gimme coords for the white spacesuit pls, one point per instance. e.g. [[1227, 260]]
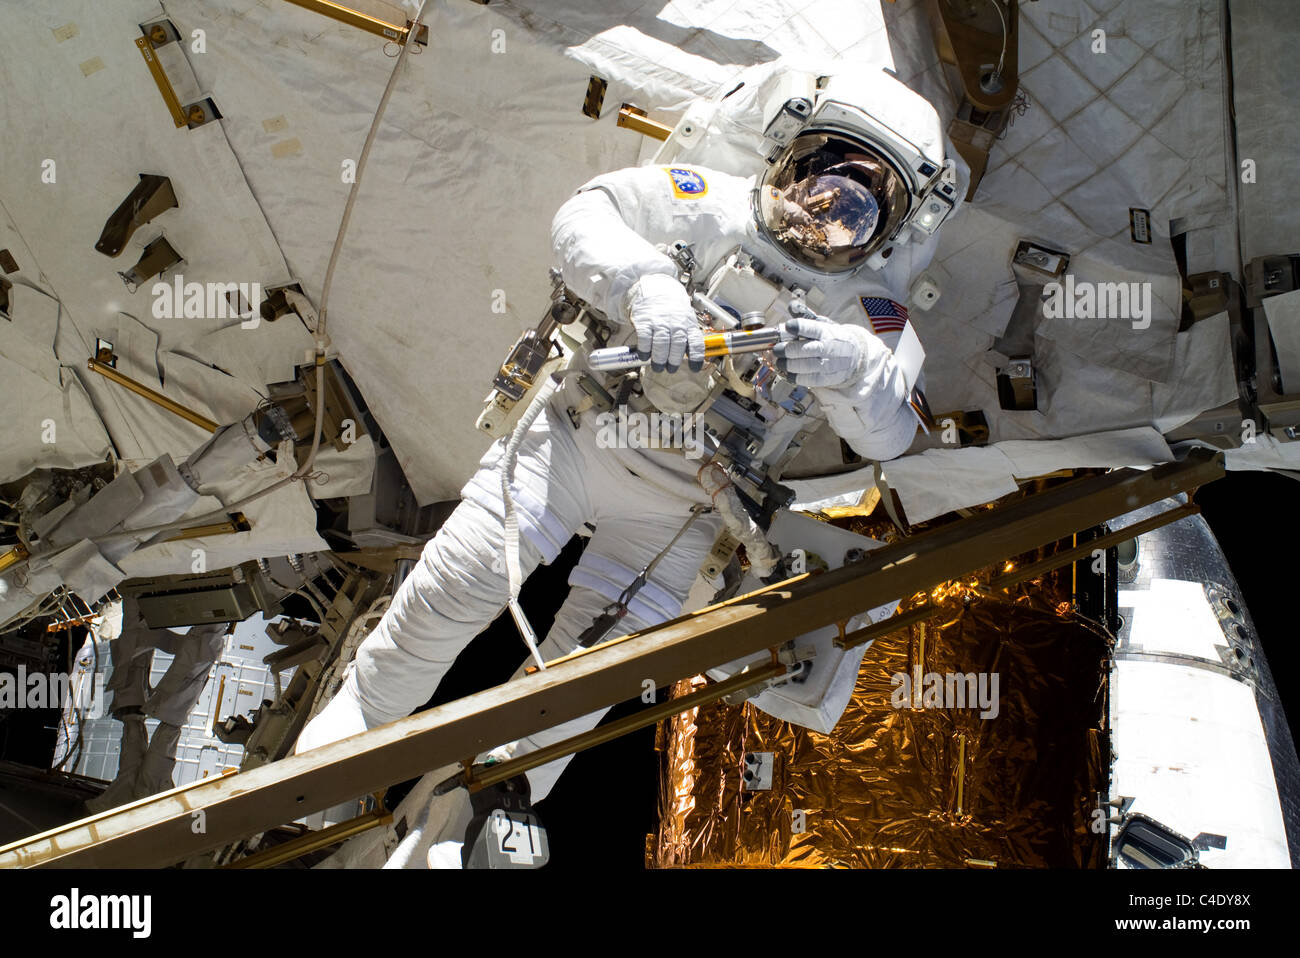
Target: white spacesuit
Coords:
[[803, 246]]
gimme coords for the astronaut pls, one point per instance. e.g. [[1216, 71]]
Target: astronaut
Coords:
[[817, 246], [146, 762]]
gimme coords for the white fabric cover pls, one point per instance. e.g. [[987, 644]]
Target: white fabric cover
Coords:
[[941, 480], [73, 76]]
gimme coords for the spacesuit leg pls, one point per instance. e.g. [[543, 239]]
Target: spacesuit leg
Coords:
[[146, 763], [134, 744], [460, 585], [620, 548], [132, 661], [193, 655], [156, 770]]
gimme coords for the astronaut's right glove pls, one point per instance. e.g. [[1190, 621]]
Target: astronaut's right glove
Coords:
[[666, 325]]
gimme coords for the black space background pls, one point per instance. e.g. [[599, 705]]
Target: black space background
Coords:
[[604, 805], [1256, 518]]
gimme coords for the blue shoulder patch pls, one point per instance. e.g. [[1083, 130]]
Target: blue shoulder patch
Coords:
[[687, 184]]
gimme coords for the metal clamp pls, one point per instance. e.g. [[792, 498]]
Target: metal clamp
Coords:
[[191, 115]]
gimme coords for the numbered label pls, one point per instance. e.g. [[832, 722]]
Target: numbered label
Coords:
[[518, 837]]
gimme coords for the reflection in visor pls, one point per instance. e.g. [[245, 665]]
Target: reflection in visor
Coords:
[[826, 213], [831, 201]]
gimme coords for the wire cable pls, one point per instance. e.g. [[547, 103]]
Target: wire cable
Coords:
[[1005, 34]]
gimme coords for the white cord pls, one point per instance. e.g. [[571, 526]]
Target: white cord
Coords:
[[998, 7], [514, 575], [322, 339]]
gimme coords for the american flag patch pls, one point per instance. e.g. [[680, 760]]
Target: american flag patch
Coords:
[[886, 315]]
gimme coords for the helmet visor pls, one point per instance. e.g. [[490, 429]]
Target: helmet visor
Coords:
[[825, 215], [827, 206]]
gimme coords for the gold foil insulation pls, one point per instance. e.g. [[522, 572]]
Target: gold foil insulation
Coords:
[[911, 787]]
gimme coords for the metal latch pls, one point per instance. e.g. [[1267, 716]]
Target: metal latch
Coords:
[[150, 198], [1018, 385], [756, 776], [158, 34]]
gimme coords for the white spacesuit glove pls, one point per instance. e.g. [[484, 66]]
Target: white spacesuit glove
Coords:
[[666, 325], [855, 379], [824, 354]]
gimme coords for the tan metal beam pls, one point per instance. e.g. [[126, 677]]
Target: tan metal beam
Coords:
[[157, 398], [903, 619], [887, 626], [1008, 579], [635, 119], [165, 828], [630, 723], [355, 18]]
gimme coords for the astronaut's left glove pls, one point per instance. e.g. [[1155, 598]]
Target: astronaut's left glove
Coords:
[[855, 379], [822, 354]]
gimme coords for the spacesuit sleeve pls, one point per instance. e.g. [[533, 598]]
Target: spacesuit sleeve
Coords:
[[876, 418], [874, 415], [595, 239]]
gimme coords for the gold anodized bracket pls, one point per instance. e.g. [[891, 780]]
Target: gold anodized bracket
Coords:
[[961, 773], [312, 841], [191, 115], [634, 118], [14, 556], [98, 365], [354, 18], [145, 46], [238, 522]]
